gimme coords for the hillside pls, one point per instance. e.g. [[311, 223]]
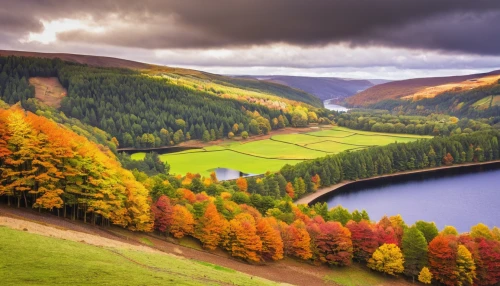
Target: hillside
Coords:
[[152, 108], [267, 93], [420, 88], [322, 87]]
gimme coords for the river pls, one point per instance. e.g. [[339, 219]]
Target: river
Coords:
[[461, 198]]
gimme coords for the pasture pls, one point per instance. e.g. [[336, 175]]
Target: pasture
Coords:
[[40, 260], [257, 157]]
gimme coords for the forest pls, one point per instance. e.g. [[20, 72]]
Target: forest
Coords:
[[145, 111]]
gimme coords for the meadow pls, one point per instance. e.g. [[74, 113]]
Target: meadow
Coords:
[[257, 157], [92, 265]]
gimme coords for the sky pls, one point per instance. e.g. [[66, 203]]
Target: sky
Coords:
[[370, 39]]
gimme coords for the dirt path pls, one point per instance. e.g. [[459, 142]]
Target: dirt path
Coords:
[[67, 234], [311, 197], [287, 271]]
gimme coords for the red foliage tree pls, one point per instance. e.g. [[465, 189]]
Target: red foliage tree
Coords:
[[488, 265], [364, 239], [162, 211], [334, 244], [442, 259]]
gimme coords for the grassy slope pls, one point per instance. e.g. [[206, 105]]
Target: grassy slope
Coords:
[[30, 259], [257, 157]]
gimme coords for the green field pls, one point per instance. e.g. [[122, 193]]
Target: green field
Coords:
[[30, 259], [257, 157]]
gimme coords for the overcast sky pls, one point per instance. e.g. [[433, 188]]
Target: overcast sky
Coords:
[[390, 39]]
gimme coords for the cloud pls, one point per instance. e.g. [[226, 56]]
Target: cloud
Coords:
[[446, 25]]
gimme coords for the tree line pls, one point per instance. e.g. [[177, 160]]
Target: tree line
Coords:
[[433, 124], [234, 220]]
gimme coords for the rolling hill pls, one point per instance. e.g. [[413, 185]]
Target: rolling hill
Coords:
[[322, 87], [421, 88], [248, 89]]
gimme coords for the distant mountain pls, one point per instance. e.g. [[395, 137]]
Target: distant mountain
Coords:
[[322, 87], [421, 88]]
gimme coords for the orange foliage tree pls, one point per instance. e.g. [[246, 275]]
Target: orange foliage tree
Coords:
[[296, 239], [272, 244], [182, 222], [242, 184], [289, 190], [241, 238], [210, 227]]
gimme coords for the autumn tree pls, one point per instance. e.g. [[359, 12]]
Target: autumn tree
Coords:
[[466, 268], [272, 244], [448, 159], [442, 259], [289, 190], [162, 211], [480, 230], [210, 227], [182, 222], [296, 240], [449, 230], [414, 251], [242, 184], [242, 239], [334, 244], [488, 267], [388, 259], [425, 276], [363, 238]]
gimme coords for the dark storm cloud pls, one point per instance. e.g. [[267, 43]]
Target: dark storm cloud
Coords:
[[469, 26]]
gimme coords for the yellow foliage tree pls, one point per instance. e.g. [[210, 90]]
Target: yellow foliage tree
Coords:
[[425, 276], [388, 259], [466, 268]]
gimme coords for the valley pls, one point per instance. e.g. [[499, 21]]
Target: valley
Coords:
[[258, 157]]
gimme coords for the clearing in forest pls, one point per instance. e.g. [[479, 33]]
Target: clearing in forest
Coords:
[[258, 157], [48, 90]]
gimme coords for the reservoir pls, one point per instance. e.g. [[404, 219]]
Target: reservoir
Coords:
[[334, 107], [459, 197]]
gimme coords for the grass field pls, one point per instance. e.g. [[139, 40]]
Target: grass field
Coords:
[[38, 260], [257, 157]]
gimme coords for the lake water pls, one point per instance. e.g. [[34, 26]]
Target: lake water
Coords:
[[334, 107], [461, 198]]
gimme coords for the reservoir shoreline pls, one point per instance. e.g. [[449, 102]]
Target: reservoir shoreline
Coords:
[[319, 194]]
